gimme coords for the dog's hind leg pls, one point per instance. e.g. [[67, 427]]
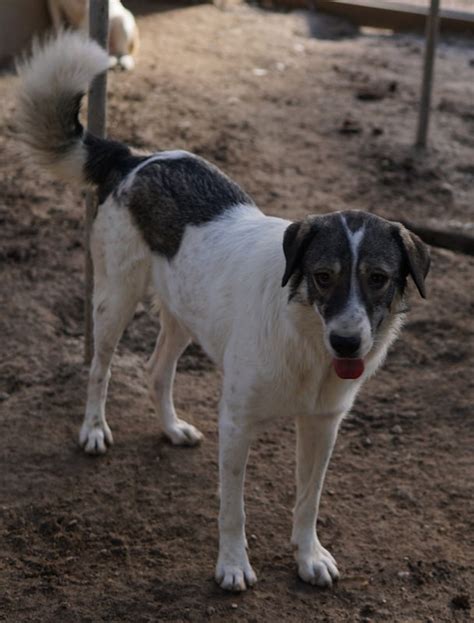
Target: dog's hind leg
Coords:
[[121, 276], [171, 342], [315, 440], [113, 308]]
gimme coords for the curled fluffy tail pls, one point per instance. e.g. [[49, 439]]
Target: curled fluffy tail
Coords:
[[53, 83]]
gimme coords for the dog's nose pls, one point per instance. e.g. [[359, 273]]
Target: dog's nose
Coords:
[[344, 346]]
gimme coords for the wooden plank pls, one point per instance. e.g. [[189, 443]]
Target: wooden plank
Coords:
[[96, 124], [390, 15], [441, 234]]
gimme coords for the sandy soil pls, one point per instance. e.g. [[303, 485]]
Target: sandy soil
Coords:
[[305, 126]]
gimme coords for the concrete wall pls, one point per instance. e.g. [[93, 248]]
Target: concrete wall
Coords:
[[19, 21]]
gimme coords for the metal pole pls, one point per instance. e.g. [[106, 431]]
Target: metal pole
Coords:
[[96, 124], [432, 27]]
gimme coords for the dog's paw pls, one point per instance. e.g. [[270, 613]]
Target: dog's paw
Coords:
[[317, 567], [113, 62], [95, 439], [235, 577], [126, 62], [183, 434]]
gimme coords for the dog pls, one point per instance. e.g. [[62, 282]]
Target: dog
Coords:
[[123, 31], [297, 314]]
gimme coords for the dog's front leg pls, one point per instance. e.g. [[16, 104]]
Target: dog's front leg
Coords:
[[233, 570], [315, 440]]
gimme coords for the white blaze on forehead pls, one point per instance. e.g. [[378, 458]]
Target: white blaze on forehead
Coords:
[[353, 320], [354, 238], [354, 308]]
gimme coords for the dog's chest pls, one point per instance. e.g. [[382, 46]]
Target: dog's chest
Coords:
[[297, 392]]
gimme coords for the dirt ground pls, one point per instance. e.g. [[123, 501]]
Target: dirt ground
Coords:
[[305, 125]]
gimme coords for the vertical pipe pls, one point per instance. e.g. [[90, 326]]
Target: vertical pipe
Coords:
[[96, 124], [432, 26]]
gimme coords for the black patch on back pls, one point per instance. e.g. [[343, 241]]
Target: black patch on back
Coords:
[[108, 162], [168, 195]]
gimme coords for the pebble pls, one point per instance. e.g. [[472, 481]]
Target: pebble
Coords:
[[397, 429], [367, 442], [234, 606], [403, 574], [461, 602], [210, 611], [4, 396], [446, 188]]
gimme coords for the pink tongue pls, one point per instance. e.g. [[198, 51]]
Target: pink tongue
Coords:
[[348, 368]]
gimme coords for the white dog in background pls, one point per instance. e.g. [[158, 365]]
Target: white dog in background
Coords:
[[297, 315], [123, 30]]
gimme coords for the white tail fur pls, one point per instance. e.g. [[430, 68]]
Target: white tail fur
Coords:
[[53, 81]]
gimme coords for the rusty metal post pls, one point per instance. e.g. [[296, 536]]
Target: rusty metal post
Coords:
[[432, 27], [96, 124]]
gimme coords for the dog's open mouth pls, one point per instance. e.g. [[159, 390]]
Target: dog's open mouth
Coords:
[[348, 368]]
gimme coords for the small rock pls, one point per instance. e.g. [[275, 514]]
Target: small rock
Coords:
[[396, 430], [253, 537], [299, 47], [370, 94], [259, 71], [4, 396], [403, 574], [234, 606], [446, 188], [210, 611], [367, 442], [350, 126], [367, 610], [461, 602]]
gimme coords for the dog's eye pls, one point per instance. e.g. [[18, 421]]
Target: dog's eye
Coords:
[[377, 280], [323, 279]]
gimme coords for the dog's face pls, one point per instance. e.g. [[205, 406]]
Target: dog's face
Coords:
[[352, 267]]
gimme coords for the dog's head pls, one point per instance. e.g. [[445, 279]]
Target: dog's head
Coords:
[[352, 268]]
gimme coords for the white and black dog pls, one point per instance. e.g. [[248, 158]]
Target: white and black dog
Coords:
[[297, 315]]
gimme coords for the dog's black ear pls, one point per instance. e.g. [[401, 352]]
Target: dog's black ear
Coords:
[[417, 256], [295, 242]]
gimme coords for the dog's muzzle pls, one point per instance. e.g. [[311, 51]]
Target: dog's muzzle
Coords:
[[345, 346]]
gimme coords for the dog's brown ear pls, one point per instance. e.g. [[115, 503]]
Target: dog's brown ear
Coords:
[[417, 256], [295, 242]]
